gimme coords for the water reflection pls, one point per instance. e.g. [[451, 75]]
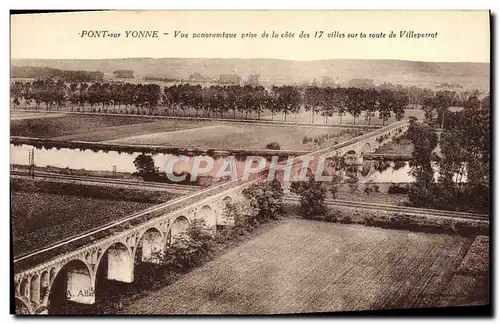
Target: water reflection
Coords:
[[377, 171]]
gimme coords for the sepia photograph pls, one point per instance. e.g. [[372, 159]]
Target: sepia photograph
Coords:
[[250, 163]]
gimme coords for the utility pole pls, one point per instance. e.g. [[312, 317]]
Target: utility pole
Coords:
[[31, 163]]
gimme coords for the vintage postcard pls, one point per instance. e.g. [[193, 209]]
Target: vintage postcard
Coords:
[[250, 162]]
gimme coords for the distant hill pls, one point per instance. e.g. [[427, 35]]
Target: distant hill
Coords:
[[276, 71], [47, 72]]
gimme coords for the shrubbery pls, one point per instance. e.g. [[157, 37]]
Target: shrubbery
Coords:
[[371, 187], [406, 222], [321, 139], [273, 146], [312, 197], [346, 220], [244, 222], [397, 188], [353, 182], [191, 247], [335, 216], [331, 217], [265, 200]]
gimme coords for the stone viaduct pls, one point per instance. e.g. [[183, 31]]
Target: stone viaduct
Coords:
[[76, 272]]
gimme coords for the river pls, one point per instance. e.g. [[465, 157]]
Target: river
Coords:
[[374, 170]]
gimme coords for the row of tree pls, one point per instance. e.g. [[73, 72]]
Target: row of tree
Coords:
[[385, 100], [355, 101], [57, 94]]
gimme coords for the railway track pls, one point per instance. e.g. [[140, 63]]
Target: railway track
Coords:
[[398, 209], [174, 188], [184, 189]]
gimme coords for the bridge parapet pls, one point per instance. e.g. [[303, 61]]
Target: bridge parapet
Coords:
[[367, 143]]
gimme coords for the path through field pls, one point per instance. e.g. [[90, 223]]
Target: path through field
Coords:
[[310, 266]]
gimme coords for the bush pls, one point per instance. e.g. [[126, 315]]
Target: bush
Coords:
[[273, 146], [369, 221], [265, 199], [353, 183], [226, 234], [401, 222], [190, 248], [332, 218], [463, 229], [244, 222], [396, 188], [334, 187], [312, 197], [371, 188], [346, 220]]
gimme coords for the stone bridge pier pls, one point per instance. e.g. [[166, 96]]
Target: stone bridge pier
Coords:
[[79, 286]]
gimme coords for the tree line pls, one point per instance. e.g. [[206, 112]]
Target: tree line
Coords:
[[46, 72], [384, 101], [463, 162]]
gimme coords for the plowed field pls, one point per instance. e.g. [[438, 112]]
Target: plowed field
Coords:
[[306, 266]]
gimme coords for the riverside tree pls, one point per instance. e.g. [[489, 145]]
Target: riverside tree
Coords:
[[145, 166], [466, 154], [424, 140]]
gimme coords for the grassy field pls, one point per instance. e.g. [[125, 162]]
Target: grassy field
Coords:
[[69, 124], [247, 136], [213, 134], [20, 114], [470, 285], [306, 266], [91, 190], [40, 218], [139, 129], [474, 262]]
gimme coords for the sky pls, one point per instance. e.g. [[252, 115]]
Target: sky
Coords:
[[462, 36]]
